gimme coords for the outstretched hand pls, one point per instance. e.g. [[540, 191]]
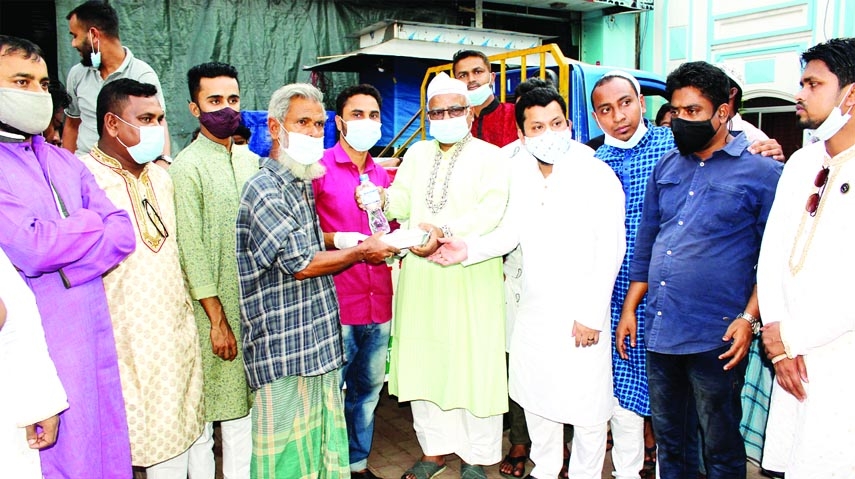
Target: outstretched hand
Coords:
[[451, 251]]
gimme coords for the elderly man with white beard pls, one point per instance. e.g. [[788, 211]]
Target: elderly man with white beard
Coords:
[[289, 309]]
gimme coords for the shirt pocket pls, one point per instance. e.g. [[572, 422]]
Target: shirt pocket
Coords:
[[670, 198], [723, 208]]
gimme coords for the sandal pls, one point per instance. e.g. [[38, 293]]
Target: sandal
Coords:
[[468, 471], [649, 469], [424, 470], [517, 466]]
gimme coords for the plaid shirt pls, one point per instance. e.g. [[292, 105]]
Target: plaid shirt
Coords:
[[633, 167], [290, 327]]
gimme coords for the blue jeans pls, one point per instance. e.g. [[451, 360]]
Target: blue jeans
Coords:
[[690, 390], [365, 349]]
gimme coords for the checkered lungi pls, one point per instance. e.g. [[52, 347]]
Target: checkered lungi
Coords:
[[298, 429]]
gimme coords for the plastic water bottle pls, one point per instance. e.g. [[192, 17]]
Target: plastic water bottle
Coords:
[[371, 200]]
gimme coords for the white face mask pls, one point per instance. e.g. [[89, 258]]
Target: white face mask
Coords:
[[27, 111], [631, 142], [304, 149], [362, 135], [451, 130], [835, 121], [480, 94], [151, 143], [550, 146]]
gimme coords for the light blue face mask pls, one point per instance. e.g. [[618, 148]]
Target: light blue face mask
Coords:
[[95, 57], [480, 94], [151, 142]]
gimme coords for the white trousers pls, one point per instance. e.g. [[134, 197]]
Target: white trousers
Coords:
[[175, 468], [237, 450], [547, 448], [628, 437], [476, 440]]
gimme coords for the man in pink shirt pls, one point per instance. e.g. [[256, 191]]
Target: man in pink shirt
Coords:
[[364, 290]]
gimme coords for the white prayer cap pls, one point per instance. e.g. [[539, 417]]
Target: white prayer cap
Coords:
[[444, 84], [623, 74], [733, 74]]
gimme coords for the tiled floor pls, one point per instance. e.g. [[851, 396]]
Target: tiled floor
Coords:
[[395, 446]]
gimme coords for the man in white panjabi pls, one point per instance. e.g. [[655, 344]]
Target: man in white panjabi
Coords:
[[566, 212], [803, 288], [32, 393]]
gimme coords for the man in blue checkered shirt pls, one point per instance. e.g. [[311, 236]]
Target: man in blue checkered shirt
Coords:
[[632, 147], [289, 309]]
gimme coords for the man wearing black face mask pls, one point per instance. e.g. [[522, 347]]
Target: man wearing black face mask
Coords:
[[209, 175], [704, 214]]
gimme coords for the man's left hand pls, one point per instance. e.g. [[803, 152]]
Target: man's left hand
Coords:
[[769, 147], [740, 332], [432, 243]]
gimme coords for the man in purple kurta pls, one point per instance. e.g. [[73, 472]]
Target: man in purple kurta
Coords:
[[62, 233]]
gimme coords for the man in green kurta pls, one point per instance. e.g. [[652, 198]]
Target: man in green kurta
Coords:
[[209, 175], [448, 352]]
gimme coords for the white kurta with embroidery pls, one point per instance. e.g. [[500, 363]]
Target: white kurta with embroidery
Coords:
[[156, 338], [31, 388], [570, 227], [805, 282]]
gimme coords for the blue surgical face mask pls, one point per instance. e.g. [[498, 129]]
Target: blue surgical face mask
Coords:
[[94, 57], [151, 143], [451, 130], [480, 94]]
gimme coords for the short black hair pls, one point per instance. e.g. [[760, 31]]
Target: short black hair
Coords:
[[13, 45], [538, 97], [737, 99], [363, 89], [243, 131], [529, 85], [838, 54], [607, 78], [59, 95], [710, 80], [208, 70], [114, 95], [461, 54], [99, 14], [663, 110]]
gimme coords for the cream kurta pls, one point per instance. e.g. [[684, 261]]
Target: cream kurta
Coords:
[[804, 281], [31, 389], [449, 335], [570, 227], [156, 339]]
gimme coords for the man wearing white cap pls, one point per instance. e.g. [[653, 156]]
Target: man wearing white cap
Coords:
[[448, 355]]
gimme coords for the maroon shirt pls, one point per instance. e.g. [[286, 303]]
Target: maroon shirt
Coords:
[[496, 124]]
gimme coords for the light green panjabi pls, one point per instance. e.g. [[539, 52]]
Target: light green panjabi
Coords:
[[448, 342], [208, 182]]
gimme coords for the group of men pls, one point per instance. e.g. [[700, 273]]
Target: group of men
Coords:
[[249, 291]]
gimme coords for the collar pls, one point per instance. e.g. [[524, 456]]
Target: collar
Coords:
[[736, 146], [7, 137], [122, 66], [490, 108], [340, 156], [211, 145]]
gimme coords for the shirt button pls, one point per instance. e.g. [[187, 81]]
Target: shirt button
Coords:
[[680, 222], [691, 193], [658, 313], [701, 163], [662, 283], [668, 252]]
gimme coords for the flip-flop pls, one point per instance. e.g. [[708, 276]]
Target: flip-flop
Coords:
[[424, 470], [468, 471], [515, 462]]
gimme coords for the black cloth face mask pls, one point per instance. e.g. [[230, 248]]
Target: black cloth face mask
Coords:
[[692, 136]]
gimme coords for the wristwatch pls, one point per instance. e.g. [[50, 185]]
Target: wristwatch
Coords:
[[165, 158], [754, 322]]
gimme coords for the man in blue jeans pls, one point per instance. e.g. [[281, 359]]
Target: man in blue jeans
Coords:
[[364, 290], [705, 209]]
